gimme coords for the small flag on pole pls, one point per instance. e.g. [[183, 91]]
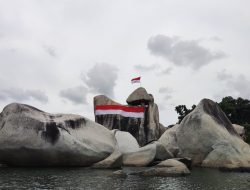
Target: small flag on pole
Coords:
[[136, 80]]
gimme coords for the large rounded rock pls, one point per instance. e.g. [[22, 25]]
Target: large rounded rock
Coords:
[[29, 137], [112, 162], [138, 97], [126, 142], [169, 140], [143, 157], [161, 152], [208, 138]]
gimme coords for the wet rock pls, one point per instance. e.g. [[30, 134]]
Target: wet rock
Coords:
[[120, 173], [186, 161], [31, 137], [208, 138], [112, 162], [167, 168]]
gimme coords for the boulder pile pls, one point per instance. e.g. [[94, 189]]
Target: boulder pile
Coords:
[[207, 137]]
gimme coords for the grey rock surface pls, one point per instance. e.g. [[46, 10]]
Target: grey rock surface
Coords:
[[166, 168], [240, 130], [208, 138], [114, 161], [31, 137], [126, 142], [161, 152], [143, 157], [139, 96]]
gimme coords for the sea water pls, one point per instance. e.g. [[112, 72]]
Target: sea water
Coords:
[[86, 178]]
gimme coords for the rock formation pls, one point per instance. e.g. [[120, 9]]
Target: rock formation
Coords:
[[208, 138], [114, 121], [240, 130], [145, 129], [31, 137], [166, 168]]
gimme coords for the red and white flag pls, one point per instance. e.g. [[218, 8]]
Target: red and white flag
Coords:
[[136, 80], [125, 111]]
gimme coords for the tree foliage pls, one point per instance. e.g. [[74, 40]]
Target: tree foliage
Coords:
[[237, 110], [183, 111]]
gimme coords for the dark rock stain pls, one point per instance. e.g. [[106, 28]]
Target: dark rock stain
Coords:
[[52, 117], [52, 132], [2, 125], [76, 123]]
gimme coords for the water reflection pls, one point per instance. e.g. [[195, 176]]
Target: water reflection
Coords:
[[85, 178]]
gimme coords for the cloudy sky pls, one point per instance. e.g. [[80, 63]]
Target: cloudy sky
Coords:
[[58, 54]]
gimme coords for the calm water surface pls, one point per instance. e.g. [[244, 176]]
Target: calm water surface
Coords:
[[84, 178]]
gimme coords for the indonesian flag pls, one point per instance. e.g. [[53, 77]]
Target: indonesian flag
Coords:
[[136, 80], [125, 111]]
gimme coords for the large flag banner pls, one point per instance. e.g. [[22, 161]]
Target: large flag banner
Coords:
[[136, 80], [125, 111]]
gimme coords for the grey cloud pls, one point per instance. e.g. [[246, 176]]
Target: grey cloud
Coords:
[[165, 90], [223, 75], [181, 52], [216, 38], [237, 85], [18, 94], [166, 71], [50, 50], [167, 97], [241, 84], [145, 68], [101, 78], [76, 95]]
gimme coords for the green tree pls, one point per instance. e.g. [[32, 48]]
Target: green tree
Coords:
[[237, 110], [182, 111]]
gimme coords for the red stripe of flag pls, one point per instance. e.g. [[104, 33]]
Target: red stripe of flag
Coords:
[[120, 107], [136, 79]]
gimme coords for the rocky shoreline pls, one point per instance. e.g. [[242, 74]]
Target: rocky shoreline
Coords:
[[205, 138]]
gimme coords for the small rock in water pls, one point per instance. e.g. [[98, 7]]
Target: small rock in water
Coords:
[[120, 173]]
